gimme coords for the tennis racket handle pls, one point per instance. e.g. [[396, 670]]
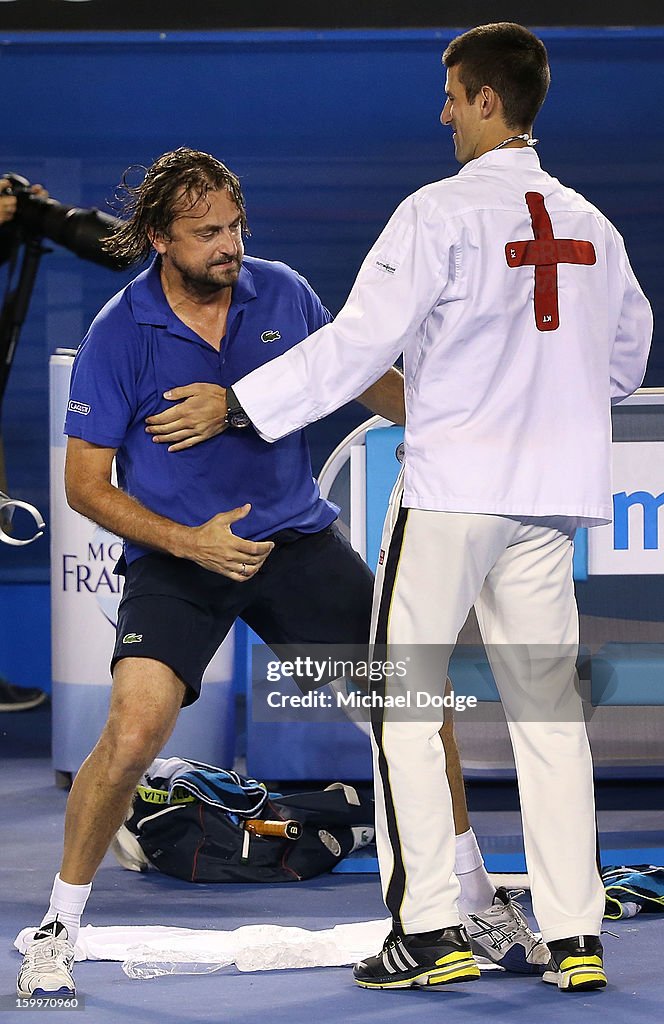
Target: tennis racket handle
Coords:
[[286, 829]]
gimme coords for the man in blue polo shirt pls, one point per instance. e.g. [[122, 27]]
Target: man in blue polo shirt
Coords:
[[194, 559]]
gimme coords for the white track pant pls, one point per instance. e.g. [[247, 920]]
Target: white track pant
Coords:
[[435, 567]]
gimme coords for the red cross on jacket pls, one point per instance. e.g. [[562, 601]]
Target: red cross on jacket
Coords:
[[544, 253]]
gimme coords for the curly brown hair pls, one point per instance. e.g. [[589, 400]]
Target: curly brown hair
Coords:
[[182, 176]]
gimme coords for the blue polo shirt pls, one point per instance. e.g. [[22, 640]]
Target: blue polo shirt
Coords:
[[137, 348]]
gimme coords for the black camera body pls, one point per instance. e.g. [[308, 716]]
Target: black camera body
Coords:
[[79, 230], [17, 184]]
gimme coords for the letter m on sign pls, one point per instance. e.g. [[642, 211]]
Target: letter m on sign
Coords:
[[650, 506], [544, 252]]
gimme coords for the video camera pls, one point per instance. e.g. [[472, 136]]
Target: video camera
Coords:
[[81, 231]]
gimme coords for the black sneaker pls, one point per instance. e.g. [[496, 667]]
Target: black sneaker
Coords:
[[18, 698], [576, 964], [427, 958]]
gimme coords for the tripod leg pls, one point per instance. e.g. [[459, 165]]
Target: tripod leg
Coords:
[[5, 522]]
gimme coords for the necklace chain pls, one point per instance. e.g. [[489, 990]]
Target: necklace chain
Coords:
[[518, 138]]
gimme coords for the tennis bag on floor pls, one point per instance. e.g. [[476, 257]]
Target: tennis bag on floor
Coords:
[[203, 824]]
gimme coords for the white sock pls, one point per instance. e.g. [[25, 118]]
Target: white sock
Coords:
[[477, 889], [67, 904]]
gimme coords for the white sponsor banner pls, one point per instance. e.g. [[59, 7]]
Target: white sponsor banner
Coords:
[[633, 544]]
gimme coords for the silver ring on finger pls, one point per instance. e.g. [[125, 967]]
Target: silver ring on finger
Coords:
[[243, 570]]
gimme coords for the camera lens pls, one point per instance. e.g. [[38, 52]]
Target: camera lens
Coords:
[[82, 231]]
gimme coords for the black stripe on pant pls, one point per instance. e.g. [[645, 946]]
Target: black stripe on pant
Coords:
[[397, 886]]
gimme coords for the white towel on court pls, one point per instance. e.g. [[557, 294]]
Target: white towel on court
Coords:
[[257, 947]]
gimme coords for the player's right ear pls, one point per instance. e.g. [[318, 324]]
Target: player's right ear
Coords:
[[158, 241]]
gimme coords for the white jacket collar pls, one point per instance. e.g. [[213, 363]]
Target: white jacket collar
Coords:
[[502, 158]]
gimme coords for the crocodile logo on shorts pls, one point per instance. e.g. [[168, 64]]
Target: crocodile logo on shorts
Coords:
[[132, 638], [270, 336]]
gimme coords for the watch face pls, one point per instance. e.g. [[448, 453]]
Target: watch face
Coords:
[[238, 419]]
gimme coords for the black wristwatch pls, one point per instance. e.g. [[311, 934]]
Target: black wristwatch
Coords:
[[236, 417]]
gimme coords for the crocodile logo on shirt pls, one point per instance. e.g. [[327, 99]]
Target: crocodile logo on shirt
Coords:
[[270, 336], [132, 638]]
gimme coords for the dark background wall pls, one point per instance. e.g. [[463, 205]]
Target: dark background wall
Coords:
[[328, 131], [216, 14]]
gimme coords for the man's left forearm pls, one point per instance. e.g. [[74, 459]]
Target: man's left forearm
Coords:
[[386, 397]]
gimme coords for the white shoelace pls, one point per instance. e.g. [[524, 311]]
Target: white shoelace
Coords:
[[48, 952]]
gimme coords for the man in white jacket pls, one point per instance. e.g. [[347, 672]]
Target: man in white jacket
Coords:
[[520, 321]]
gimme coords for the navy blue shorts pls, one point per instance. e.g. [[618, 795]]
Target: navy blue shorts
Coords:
[[313, 588]]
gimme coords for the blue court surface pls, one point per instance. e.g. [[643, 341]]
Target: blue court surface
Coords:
[[32, 815]]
